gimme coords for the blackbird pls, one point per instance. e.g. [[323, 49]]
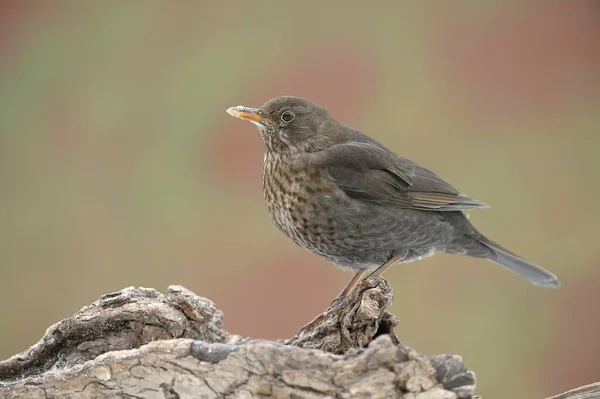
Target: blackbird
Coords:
[[344, 196]]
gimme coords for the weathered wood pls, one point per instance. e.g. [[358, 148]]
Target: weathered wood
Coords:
[[591, 391], [138, 343]]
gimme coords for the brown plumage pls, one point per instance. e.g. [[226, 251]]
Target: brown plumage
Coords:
[[344, 196]]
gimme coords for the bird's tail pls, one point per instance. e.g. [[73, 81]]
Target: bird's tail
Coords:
[[535, 274]]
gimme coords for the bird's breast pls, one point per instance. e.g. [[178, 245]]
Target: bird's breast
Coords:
[[292, 190]]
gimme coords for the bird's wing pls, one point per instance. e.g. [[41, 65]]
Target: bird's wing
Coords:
[[371, 173]]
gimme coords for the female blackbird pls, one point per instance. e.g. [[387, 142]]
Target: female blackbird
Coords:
[[344, 196]]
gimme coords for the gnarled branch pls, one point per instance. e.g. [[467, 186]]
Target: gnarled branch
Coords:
[[138, 343]]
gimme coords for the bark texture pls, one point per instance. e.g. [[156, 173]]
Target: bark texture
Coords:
[[591, 391], [139, 343]]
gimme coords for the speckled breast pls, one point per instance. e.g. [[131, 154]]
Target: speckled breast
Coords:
[[291, 190]]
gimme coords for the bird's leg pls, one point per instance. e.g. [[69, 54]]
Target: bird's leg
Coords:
[[349, 287], [383, 267], [393, 260], [334, 304]]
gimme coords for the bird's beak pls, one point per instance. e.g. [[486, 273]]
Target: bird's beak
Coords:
[[248, 114]]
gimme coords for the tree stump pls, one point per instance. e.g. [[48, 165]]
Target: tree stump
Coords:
[[139, 343]]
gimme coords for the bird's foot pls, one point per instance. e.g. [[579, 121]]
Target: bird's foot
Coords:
[[311, 324], [335, 307], [337, 301], [338, 304], [368, 283]]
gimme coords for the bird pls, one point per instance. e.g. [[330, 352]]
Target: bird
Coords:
[[346, 197]]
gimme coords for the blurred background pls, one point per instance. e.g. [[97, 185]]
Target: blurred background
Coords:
[[119, 165]]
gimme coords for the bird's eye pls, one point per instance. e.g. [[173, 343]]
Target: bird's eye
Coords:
[[287, 116]]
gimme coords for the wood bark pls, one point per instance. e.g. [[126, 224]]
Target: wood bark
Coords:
[[139, 343]]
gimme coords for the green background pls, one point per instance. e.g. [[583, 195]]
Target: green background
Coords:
[[119, 165]]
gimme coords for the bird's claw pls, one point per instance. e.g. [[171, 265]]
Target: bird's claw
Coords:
[[333, 308], [336, 303], [368, 283]]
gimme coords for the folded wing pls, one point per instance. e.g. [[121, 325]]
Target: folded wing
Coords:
[[370, 173]]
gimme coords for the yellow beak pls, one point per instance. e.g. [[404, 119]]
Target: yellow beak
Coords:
[[248, 114]]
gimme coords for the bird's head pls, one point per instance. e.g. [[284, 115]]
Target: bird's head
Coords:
[[287, 124]]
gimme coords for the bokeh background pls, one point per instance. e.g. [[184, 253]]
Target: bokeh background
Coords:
[[119, 165]]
